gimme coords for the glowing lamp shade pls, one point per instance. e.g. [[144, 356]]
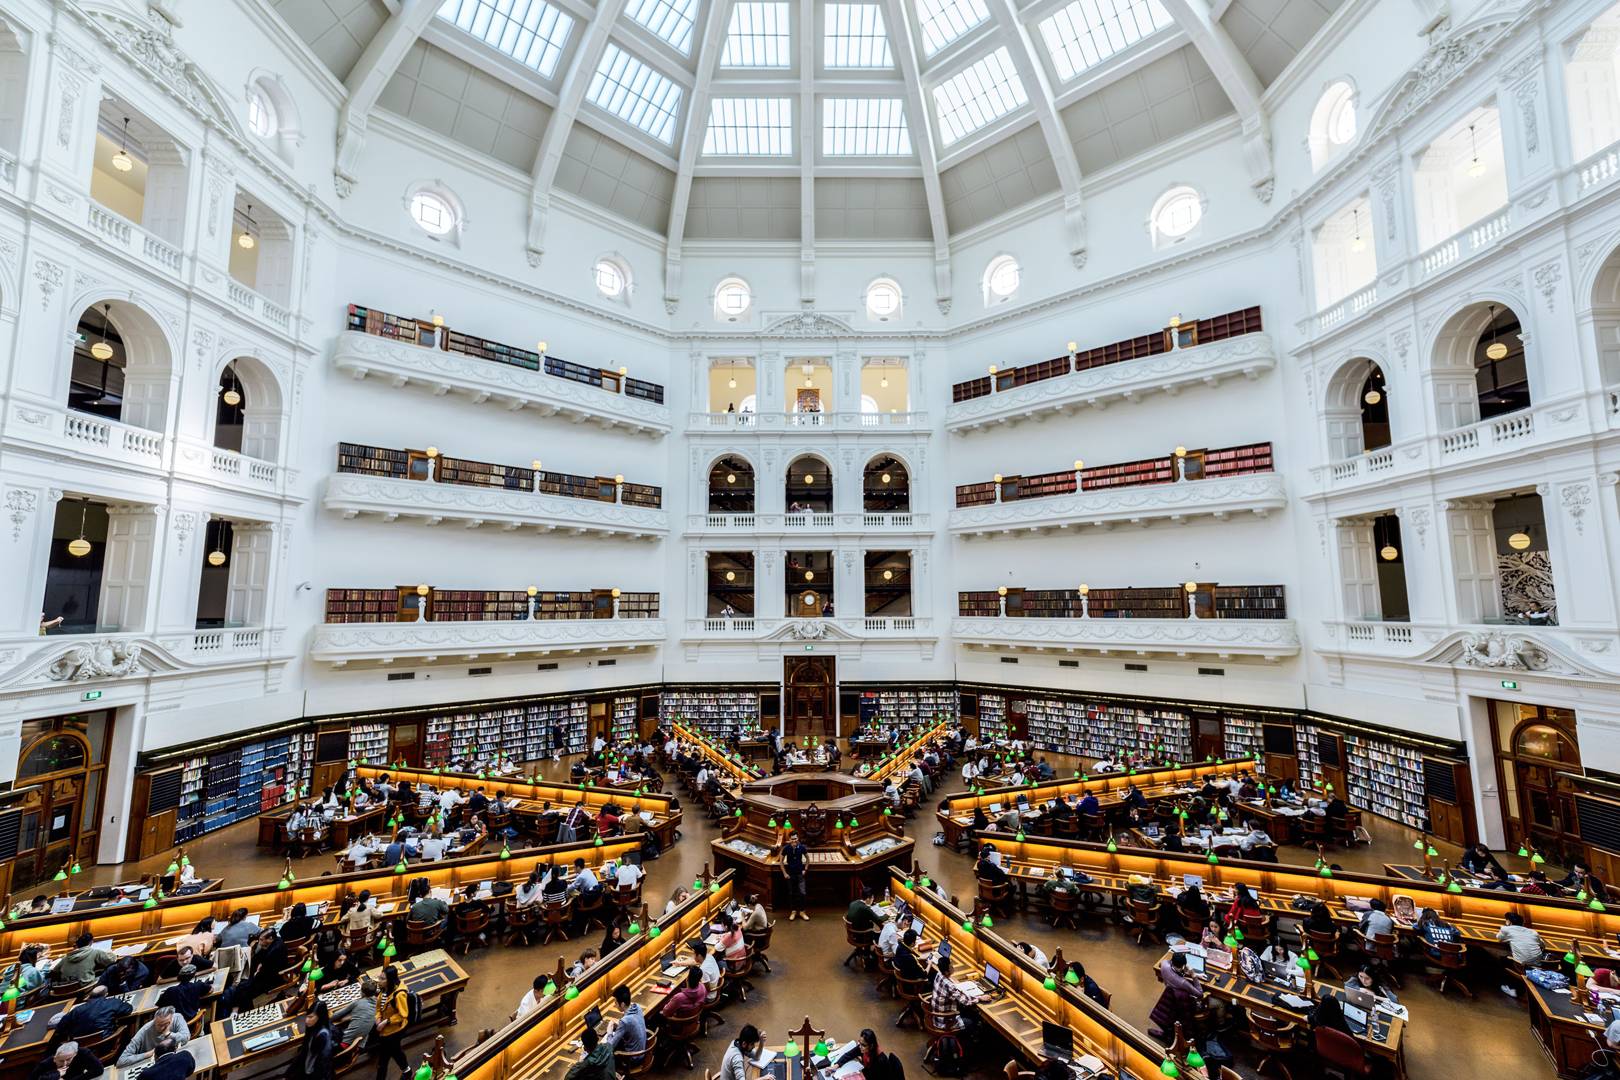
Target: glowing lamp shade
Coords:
[[535, 464], [245, 241], [1078, 464], [232, 396], [1519, 541], [731, 478], [1175, 321], [1073, 346], [809, 479], [1389, 553], [731, 384], [615, 593], [1001, 590], [1085, 590], [885, 478], [101, 351], [731, 575], [1372, 397], [438, 320], [540, 346], [1191, 586], [1476, 168], [624, 371], [78, 547], [1181, 451], [888, 575], [809, 575], [532, 591], [122, 161], [216, 558], [421, 590]]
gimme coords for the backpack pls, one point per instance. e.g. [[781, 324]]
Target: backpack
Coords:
[[413, 1007]]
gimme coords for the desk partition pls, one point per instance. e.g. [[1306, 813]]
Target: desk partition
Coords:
[[902, 757]]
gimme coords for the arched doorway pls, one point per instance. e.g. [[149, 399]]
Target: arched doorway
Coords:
[[247, 410], [1479, 368], [885, 487], [810, 683], [62, 771], [1356, 410], [808, 487], [731, 487], [1534, 743], [120, 367]]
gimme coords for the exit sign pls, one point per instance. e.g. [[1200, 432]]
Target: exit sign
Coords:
[[1509, 684], [90, 695]]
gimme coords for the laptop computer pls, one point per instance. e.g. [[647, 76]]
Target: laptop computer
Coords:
[[991, 980], [917, 925], [593, 1018], [1195, 963], [1057, 1041], [1361, 999], [1356, 1017]]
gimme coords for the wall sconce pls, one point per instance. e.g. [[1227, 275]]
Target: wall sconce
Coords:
[[435, 318], [1073, 348]]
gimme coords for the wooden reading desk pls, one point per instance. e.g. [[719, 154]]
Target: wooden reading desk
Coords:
[[913, 746], [732, 773], [341, 831]]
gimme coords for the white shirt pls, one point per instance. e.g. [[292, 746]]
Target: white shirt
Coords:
[[1038, 956], [433, 847], [449, 800], [597, 744], [889, 937], [628, 874], [711, 971], [531, 1001], [359, 852]]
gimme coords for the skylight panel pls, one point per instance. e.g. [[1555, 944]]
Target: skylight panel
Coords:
[[977, 95], [636, 94], [671, 20], [864, 127], [757, 36], [854, 37], [749, 127], [943, 21], [532, 32], [1087, 32]]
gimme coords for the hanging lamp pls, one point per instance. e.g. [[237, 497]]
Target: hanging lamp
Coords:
[[121, 160], [80, 547], [1357, 244], [101, 350], [1476, 167], [216, 551], [1496, 350], [232, 395], [246, 240]]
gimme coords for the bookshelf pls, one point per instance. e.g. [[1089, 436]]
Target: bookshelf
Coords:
[[715, 712], [975, 494], [1110, 729], [1387, 779], [1226, 461], [361, 605], [1169, 603], [1187, 335], [368, 743], [1250, 602], [887, 708], [994, 723], [978, 604], [235, 783], [524, 731], [1310, 764], [625, 729], [402, 464], [1241, 735], [1238, 460], [1160, 470], [477, 605], [484, 605], [373, 461], [1215, 601], [368, 320]]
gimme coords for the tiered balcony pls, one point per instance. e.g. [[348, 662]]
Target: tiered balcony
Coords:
[[227, 468], [1267, 639], [874, 423], [121, 234], [393, 499], [80, 435], [94, 659], [1184, 355], [385, 643], [890, 524], [417, 352], [1539, 427]]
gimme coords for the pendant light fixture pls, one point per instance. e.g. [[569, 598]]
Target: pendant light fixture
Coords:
[[101, 350], [1357, 244], [731, 383], [1496, 350], [216, 553], [1519, 541], [1372, 396], [1476, 167], [884, 382], [246, 240], [80, 547], [121, 160], [232, 395], [888, 575], [809, 575], [1389, 553], [885, 478], [731, 575]]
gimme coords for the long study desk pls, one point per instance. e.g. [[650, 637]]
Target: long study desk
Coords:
[[909, 749], [1476, 913], [956, 813], [105, 897], [666, 818], [173, 918], [341, 831], [711, 750], [539, 1046], [1566, 1031], [1023, 1003]]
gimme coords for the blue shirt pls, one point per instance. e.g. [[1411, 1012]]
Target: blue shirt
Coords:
[[631, 1037], [793, 855]]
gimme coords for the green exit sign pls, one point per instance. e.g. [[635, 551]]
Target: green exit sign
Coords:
[[90, 695], [1509, 684]]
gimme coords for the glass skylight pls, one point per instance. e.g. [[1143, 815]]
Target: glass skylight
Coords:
[[636, 94], [864, 127], [670, 19], [757, 36], [532, 32], [943, 21], [853, 37], [749, 127], [977, 95], [1087, 32]]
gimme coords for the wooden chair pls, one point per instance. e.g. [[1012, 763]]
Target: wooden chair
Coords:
[[997, 896], [860, 944], [911, 993], [737, 971], [1144, 917], [1274, 1039], [1092, 826], [360, 941], [1256, 931], [629, 1064], [759, 943], [1379, 949], [522, 923], [588, 910], [1068, 828], [1341, 1053], [63, 991], [422, 935], [1326, 944], [626, 898], [886, 980], [717, 998], [107, 1045], [1451, 957], [679, 1035], [469, 925], [1314, 830], [556, 918], [943, 1028], [1063, 908]]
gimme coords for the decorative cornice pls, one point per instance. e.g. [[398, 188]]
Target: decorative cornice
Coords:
[[1266, 638], [1256, 494], [361, 354], [349, 643], [352, 494], [35, 664]]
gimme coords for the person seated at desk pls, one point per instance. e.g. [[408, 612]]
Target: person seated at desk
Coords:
[[1372, 978], [1375, 920], [165, 1024], [628, 1034], [1329, 1013], [1009, 820], [471, 903], [358, 913], [1478, 860], [1255, 836], [1191, 903], [586, 961], [1244, 905], [299, 820], [888, 939], [477, 802], [396, 853], [1285, 790], [433, 846], [755, 916], [425, 907], [1319, 919], [530, 891], [68, 1062], [969, 772], [906, 964], [1336, 811], [1088, 985], [449, 799], [860, 915], [1179, 1002], [555, 888], [1034, 953], [875, 1064], [981, 821], [25, 974], [1134, 799], [84, 963], [690, 998], [1496, 877], [345, 968], [988, 868], [708, 966], [1605, 979], [597, 1064], [94, 1016], [949, 1002], [573, 823], [1060, 882], [299, 924], [126, 973], [1435, 931], [237, 932], [584, 883], [39, 905], [531, 999], [607, 821], [362, 1015], [1089, 803], [1607, 1066], [1524, 944], [268, 961]]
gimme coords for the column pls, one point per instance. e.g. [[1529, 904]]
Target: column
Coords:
[[1389, 190], [769, 395], [770, 483], [180, 569], [1527, 144], [846, 381], [72, 104], [1579, 510], [252, 560], [769, 586], [697, 584], [127, 596], [922, 605], [128, 736], [1424, 561], [849, 583], [30, 517], [164, 212]]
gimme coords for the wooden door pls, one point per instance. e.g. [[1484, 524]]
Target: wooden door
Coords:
[[810, 686], [405, 744], [1330, 761], [1209, 735]]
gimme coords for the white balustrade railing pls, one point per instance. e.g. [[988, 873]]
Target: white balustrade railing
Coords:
[[886, 521], [161, 252], [1489, 231], [783, 421], [1354, 304], [729, 521], [890, 624], [224, 461], [109, 224], [1456, 442], [1598, 170], [275, 315], [1441, 256], [223, 641], [83, 428], [807, 521], [728, 626], [242, 296], [1513, 428], [262, 471], [95, 431]]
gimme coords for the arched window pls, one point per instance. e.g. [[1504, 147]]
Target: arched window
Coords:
[[868, 404], [883, 299], [1176, 215], [732, 299], [1001, 279], [1592, 85], [53, 754], [1546, 742], [261, 113], [612, 277], [1333, 123]]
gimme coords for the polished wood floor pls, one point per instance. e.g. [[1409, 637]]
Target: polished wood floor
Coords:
[[1447, 1037]]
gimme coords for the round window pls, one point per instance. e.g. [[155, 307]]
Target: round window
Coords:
[[432, 212]]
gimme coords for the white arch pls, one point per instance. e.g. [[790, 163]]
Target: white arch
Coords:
[[1449, 360], [1341, 407], [263, 412], [149, 351]]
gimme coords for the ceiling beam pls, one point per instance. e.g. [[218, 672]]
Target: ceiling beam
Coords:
[[587, 58], [697, 123], [1237, 78], [807, 155], [369, 76], [1015, 35], [904, 47]]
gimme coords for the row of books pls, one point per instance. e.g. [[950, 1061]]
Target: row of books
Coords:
[[402, 464], [1220, 602], [1197, 464]]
